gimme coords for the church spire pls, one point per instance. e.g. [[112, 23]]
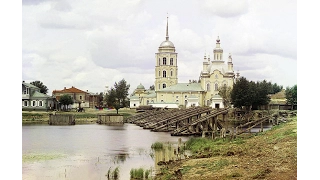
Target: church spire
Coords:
[[167, 32]]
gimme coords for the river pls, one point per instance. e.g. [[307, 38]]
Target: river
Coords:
[[89, 151]]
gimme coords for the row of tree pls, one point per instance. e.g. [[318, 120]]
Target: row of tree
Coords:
[[243, 94]]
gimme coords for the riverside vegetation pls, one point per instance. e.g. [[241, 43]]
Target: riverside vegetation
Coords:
[[266, 155]]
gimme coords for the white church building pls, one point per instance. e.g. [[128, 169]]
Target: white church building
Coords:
[[168, 92]]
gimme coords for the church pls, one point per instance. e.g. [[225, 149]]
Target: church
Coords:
[[169, 93]]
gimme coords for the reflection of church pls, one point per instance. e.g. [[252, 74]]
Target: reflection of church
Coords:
[[169, 93]]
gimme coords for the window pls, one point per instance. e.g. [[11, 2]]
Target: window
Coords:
[[171, 73], [216, 87], [80, 97], [164, 85], [164, 74], [134, 105], [208, 87], [185, 96], [147, 102], [177, 97], [177, 100], [161, 100], [159, 73], [33, 103], [171, 61], [40, 103], [159, 62], [25, 103], [164, 62], [151, 101]]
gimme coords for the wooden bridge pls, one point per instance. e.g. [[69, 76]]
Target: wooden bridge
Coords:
[[208, 122], [193, 121]]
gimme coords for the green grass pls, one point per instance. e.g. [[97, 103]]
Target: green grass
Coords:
[[140, 173], [157, 146]]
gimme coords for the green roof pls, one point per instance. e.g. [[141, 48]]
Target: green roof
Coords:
[[30, 85], [183, 87], [40, 95]]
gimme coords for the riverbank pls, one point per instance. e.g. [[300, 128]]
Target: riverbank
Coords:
[[268, 155], [89, 116]]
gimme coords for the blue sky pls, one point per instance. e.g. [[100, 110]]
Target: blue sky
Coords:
[[93, 44]]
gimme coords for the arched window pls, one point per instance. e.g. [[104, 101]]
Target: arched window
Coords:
[[164, 62], [159, 62], [216, 87], [171, 73], [171, 61], [40, 103], [164, 85], [208, 87], [164, 74], [159, 73]]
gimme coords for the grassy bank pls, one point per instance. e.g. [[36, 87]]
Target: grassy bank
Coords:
[[268, 155], [89, 116]]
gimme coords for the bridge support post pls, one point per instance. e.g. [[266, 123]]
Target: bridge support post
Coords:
[[213, 135], [261, 130]]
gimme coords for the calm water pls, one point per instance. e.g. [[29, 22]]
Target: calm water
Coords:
[[88, 151]]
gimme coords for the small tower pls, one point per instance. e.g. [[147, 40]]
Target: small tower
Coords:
[[230, 64], [218, 51]]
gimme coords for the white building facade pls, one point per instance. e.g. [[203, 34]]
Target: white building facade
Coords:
[[171, 94]]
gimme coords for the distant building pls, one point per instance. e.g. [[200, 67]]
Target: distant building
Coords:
[[169, 93], [81, 98], [33, 100]]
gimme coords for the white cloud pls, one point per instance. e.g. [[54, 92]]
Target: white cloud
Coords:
[[91, 44]]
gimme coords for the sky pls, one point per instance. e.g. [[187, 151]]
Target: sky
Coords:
[[93, 44]]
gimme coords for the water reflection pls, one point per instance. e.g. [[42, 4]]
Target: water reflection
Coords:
[[89, 151]]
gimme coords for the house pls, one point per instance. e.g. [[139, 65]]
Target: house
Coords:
[[81, 98], [34, 100]]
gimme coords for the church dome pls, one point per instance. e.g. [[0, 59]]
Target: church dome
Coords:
[[140, 86], [217, 66], [167, 43]]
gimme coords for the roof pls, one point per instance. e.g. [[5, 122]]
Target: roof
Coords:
[[69, 90], [217, 96], [134, 98], [40, 95], [183, 87], [30, 85], [166, 43], [140, 86]]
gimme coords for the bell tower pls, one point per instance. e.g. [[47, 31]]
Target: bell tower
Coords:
[[166, 68]]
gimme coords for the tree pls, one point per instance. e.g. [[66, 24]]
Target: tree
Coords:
[[262, 90], [66, 100], [117, 95], [291, 95], [242, 93], [225, 93], [39, 84], [276, 88], [100, 99]]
